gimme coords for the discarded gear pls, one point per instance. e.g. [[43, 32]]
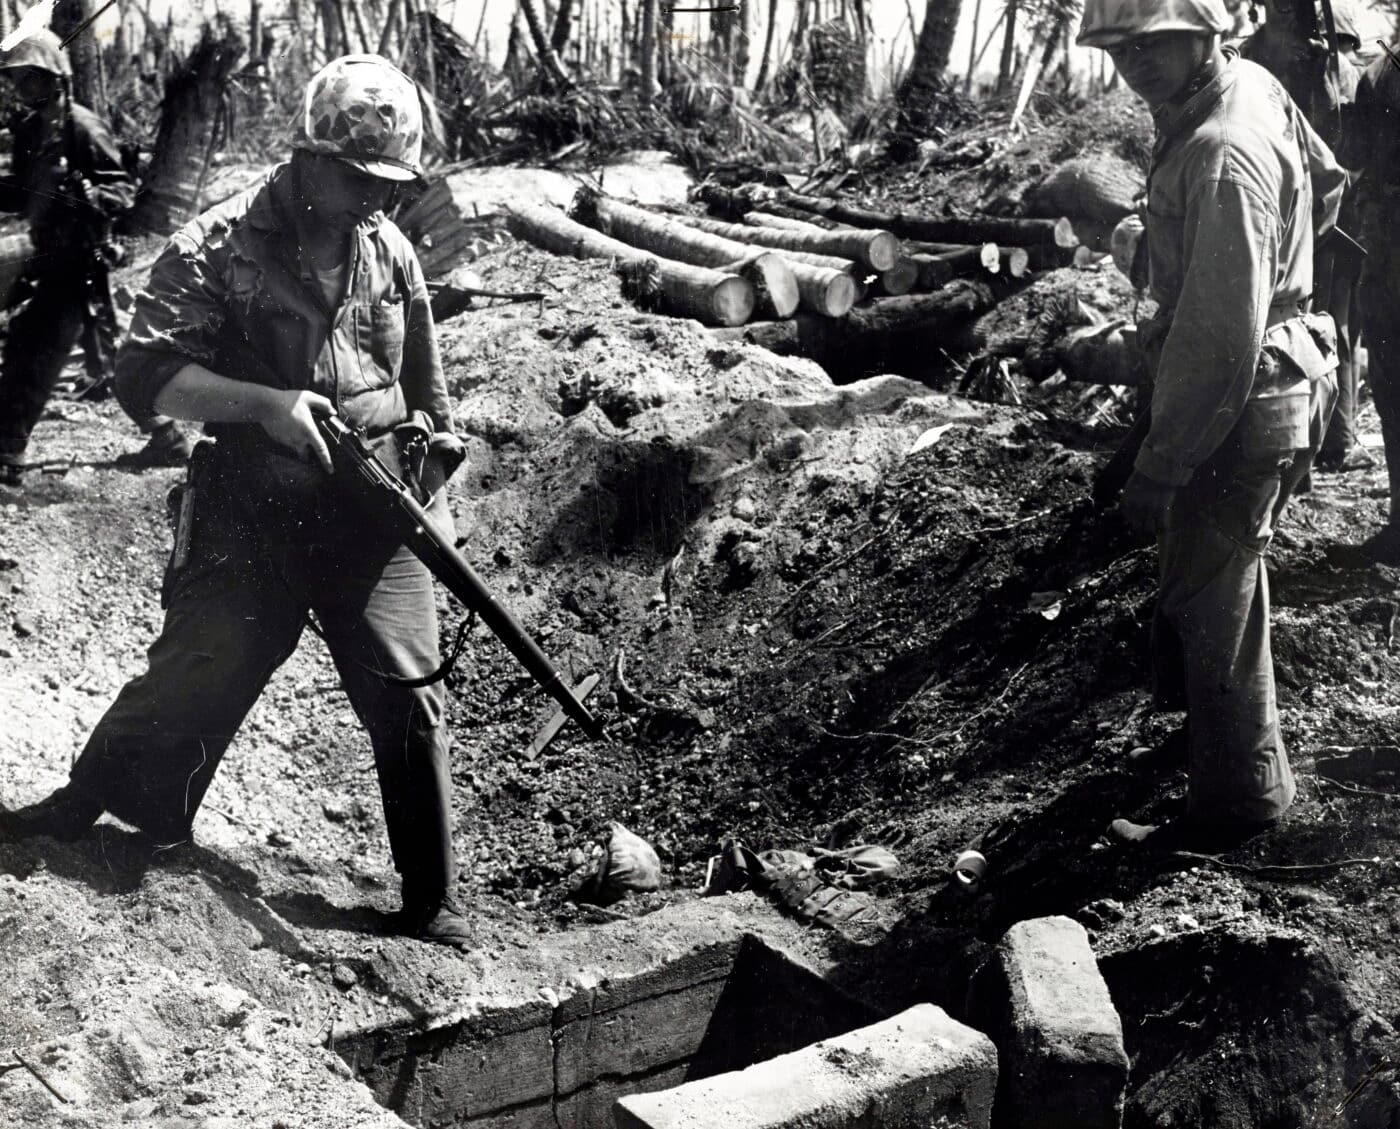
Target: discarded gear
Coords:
[[628, 863]]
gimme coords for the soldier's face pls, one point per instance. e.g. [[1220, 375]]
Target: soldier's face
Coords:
[[32, 86], [1157, 67], [339, 195]]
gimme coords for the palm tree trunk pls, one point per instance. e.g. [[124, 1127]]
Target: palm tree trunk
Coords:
[[649, 88], [763, 61], [1008, 47], [89, 85], [549, 59], [562, 26]]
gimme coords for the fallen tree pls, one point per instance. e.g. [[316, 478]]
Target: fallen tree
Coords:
[[709, 296], [885, 335], [776, 285]]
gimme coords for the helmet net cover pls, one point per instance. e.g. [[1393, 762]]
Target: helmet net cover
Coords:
[[364, 110], [1107, 23], [41, 50]]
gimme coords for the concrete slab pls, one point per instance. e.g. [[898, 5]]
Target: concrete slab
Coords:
[[918, 1069], [1045, 1004]]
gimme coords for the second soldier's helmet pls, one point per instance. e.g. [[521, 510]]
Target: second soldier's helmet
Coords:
[[1107, 23], [41, 50], [364, 110], [1344, 16]]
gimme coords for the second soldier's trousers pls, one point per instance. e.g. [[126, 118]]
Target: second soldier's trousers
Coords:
[[1211, 644]]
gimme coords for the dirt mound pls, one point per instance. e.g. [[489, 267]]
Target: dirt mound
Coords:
[[877, 612]]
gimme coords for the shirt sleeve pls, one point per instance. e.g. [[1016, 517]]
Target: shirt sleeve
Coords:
[[424, 383], [1209, 355], [177, 320], [113, 189], [1329, 179]]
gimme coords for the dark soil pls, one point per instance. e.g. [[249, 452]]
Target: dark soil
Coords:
[[838, 641]]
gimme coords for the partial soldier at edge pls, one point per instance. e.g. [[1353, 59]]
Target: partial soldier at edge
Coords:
[[67, 179]]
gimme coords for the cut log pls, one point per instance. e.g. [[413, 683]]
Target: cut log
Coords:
[[946, 229], [782, 223], [875, 250], [1097, 235], [886, 335], [819, 287], [774, 285], [899, 279], [682, 289]]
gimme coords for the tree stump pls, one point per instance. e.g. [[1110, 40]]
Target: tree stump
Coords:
[[187, 134]]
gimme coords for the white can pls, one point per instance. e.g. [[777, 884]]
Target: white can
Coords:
[[969, 869]]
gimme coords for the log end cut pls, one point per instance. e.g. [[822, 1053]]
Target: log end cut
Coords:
[[882, 251], [732, 301], [840, 293]]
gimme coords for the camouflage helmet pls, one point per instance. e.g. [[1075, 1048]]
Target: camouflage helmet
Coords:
[[41, 50], [1344, 16], [364, 110], [1108, 23]]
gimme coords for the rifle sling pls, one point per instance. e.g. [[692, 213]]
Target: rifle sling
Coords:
[[411, 683]]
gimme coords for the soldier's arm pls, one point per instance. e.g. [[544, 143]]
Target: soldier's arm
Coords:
[[1208, 358], [177, 320], [1329, 179], [424, 383], [100, 161]]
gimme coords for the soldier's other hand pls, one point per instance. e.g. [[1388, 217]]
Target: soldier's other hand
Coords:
[[290, 418], [1145, 503]]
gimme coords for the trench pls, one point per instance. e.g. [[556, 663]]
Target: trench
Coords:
[[562, 1065]]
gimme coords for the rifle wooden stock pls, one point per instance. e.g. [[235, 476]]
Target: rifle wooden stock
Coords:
[[387, 496]]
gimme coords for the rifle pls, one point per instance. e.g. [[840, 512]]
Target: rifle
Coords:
[[387, 497], [1310, 28], [99, 332]]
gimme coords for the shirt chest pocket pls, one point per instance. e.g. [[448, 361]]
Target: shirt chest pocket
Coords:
[[379, 334]]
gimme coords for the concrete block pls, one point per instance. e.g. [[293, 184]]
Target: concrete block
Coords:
[[917, 1070], [1058, 1035]]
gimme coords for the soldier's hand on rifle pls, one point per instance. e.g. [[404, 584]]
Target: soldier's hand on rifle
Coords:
[[289, 417], [1145, 503]]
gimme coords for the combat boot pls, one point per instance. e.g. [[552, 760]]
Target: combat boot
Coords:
[[64, 814], [439, 920]]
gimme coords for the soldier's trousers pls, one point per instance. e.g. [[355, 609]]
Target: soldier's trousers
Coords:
[[1210, 636], [1337, 273], [41, 336], [235, 614], [1379, 298]]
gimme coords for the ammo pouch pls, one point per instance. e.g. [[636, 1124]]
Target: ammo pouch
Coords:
[[1294, 388]]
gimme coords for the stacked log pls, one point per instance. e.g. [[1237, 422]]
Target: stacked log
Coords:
[[886, 335], [899, 279], [1017, 245], [710, 296], [777, 287], [822, 286], [874, 250]]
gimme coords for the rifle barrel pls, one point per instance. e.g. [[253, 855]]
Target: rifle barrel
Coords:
[[435, 549]]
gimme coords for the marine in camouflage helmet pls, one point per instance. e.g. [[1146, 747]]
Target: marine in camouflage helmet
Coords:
[[364, 110], [41, 50], [1107, 23]]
